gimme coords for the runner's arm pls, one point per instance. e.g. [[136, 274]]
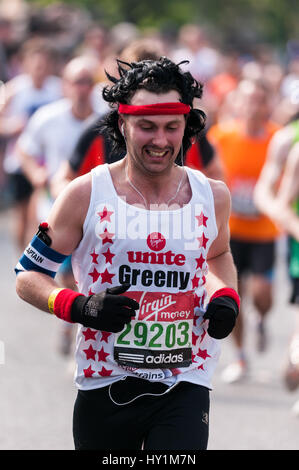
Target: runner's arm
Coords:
[[212, 165], [62, 178], [222, 272], [266, 187], [214, 169], [10, 126], [288, 192], [35, 173], [107, 310], [65, 230], [224, 302], [30, 147]]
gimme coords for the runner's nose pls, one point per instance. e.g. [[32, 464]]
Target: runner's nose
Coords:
[[160, 140]]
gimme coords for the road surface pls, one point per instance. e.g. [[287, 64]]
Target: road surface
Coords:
[[37, 390]]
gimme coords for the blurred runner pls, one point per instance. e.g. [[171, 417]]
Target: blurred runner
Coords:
[[278, 197], [24, 94], [53, 133], [242, 146], [54, 130]]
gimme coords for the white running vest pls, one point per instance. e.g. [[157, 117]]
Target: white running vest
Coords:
[[162, 255]]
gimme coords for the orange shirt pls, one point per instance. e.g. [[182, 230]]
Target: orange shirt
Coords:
[[243, 157], [220, 85]]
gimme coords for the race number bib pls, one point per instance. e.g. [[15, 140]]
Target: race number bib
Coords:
[[242, 198], [160, 336]]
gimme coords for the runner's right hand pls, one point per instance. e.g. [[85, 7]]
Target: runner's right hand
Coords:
[[106, 311]]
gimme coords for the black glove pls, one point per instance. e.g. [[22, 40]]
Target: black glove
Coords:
[[222, 313], [107, 311]]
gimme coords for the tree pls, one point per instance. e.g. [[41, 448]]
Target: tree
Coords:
[[272, 21]]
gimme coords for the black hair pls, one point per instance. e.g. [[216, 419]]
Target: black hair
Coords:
[[157, 76]]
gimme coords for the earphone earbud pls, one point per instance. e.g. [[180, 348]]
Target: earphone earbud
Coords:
[[122, 130]]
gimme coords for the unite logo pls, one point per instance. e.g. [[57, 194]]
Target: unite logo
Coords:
[[156, 241]]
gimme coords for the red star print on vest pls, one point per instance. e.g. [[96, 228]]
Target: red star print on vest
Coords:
[[202, 241], [105, 215], [201, 219], [108, 256], [89, 334]]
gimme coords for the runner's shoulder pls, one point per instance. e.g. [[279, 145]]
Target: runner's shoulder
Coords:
[[284, 136], [281, 144], [221, 194], [75, 197], [80, 187]]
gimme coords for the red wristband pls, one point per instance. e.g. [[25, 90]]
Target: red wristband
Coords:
[[63, 304], [228, 292]]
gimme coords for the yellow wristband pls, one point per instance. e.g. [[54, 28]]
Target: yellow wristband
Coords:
[[52, 297]]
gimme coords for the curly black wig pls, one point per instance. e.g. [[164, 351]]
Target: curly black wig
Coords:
[[157, 76]]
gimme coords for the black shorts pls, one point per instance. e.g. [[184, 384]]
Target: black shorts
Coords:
[[253, 257], [295, 291], [19, 187], [176, 420]]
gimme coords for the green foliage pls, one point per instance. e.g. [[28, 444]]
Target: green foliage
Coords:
[[272, 21]]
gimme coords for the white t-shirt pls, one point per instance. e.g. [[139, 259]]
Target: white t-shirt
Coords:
[[202, 64], [163, 256], [26, 100], [52, 133]]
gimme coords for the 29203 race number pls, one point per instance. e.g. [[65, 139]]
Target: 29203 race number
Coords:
[[143, 334]]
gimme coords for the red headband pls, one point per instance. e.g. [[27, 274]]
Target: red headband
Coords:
[[153, 109]]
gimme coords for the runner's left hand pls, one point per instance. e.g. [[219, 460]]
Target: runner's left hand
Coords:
[[222, 313]]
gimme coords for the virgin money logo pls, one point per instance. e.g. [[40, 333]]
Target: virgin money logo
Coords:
[[163, 306], [152, 304], [156, 241]]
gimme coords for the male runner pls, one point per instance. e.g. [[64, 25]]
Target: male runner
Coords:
[[277, 195], [150, 244]]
